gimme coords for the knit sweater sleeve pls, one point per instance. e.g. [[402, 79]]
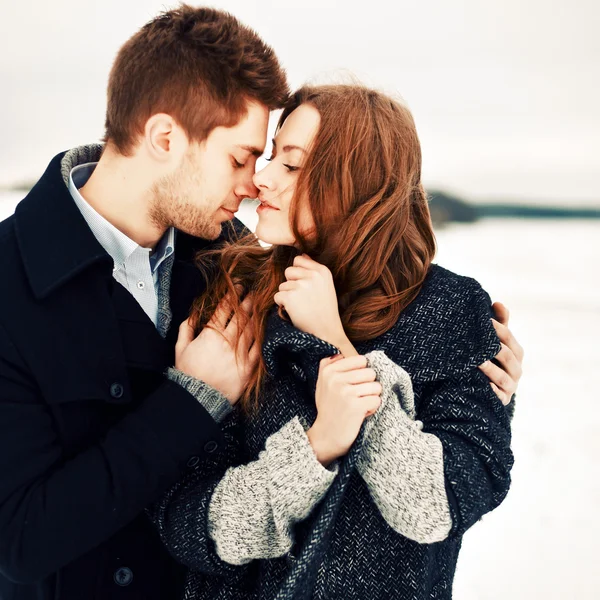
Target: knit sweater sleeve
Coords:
[[221, 517], [435, 477], [254, 507], [402, 466]]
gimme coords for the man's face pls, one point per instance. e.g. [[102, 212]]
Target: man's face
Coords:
[[213, 178]]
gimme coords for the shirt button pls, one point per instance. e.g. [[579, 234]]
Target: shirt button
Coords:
[[141, 285], [123, 576], [211, 446], [116, 390], [193, 461]]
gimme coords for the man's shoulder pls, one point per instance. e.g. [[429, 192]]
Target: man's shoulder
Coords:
[[8, 244]]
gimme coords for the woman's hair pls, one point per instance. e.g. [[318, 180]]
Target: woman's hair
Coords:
[[361, 180], [199, 65]]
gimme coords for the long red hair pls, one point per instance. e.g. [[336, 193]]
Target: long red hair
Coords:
[[362, 181]]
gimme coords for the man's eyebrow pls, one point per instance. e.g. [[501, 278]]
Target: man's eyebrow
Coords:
[[289, 148], [252, 149]]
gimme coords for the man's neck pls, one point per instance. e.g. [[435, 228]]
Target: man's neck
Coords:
[[115, 190]]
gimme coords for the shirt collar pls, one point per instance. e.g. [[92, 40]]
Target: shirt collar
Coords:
[[119, 246]]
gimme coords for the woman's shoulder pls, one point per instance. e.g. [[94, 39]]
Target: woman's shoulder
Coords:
[[446, 330], [456, 292]]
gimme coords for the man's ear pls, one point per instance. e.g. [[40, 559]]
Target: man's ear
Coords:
[[164, 139]]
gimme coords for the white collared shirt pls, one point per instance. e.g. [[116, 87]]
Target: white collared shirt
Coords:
[[135, 268]]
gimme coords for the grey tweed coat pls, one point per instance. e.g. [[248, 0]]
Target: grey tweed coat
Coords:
[[345, 549]]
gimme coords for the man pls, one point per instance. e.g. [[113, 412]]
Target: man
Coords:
[[98, 273]]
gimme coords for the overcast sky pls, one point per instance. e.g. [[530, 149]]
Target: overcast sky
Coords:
[[506, 94]]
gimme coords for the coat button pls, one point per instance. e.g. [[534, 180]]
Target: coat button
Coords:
[[211, 446], [193, 461], [123, 576], [116, 390]]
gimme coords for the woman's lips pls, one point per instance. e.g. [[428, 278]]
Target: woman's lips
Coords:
[[264, 205]]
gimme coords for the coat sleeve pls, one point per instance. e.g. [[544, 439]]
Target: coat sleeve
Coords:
[[436, 476], [54, 509], [241, 513]]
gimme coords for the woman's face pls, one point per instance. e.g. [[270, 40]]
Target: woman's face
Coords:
[[276, 183]]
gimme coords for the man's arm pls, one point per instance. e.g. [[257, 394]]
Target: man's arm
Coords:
[[54, 510], [505, 373]]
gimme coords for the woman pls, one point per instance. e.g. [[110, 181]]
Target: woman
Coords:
[[367, 441]]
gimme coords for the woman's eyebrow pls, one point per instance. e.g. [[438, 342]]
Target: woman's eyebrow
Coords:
[[289, 148]]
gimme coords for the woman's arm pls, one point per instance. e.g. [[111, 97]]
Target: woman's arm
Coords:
[[436, 477], [246, 512]]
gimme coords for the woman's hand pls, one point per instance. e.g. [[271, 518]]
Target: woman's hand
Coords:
[[346, 394], [310, 300]]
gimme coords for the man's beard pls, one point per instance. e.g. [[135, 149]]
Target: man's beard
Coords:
[[171, 205]]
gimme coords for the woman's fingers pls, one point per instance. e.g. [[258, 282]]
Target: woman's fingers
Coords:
[[367, 389], [287, 286], [294, 273], [364, 375], [348, 364], [371, 404]]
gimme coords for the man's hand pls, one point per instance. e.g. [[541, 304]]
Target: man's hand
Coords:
[[213, 356], [504, 379]]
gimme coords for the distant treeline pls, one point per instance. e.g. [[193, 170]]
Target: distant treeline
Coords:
[[446, 208]]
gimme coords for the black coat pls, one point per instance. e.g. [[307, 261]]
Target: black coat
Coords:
[[345, 550], [90, 430]]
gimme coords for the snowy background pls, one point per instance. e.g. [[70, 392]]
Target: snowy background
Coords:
[[505, 96]]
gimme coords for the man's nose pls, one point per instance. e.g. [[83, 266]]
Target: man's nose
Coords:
[[247, 189]]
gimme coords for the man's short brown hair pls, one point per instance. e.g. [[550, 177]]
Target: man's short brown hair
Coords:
[[199, 65]]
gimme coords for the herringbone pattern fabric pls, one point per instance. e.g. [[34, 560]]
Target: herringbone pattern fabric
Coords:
[[345, 550]]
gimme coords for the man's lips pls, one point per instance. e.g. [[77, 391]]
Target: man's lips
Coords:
[[229, 210]]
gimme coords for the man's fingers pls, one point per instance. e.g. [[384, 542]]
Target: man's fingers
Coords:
[[498, 377], [185, 335], [221, 314], [231, 331], [504, 398], [508, 361], [502, 313], [507, 338]]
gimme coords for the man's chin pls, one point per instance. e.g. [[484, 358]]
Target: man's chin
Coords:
[[211, 232]]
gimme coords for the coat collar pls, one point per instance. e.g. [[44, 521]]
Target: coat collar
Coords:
[[55, 241], [444, 332]]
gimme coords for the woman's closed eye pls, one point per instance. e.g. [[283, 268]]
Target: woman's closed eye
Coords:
[[290, 168]]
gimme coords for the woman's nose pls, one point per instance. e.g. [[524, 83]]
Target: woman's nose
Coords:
[[262, 180]]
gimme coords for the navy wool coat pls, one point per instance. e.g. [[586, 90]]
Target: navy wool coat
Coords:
[[345, 550]]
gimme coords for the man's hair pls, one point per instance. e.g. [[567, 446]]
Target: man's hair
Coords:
[[199, 65]]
